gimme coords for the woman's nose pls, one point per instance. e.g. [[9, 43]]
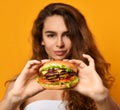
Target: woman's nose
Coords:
[[60, 42]]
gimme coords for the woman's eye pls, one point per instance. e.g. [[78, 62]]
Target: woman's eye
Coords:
[[67, 35], [50, 35]]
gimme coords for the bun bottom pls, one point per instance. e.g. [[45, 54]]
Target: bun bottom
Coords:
[[56, 87]]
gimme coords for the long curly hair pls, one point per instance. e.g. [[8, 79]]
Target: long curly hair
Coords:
[[82, 42]]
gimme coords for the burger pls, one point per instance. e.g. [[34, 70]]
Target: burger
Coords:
[[58, 74]]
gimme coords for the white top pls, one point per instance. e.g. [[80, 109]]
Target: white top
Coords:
[[46, 105]]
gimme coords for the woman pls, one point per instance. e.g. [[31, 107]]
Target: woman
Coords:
[[60, 32]]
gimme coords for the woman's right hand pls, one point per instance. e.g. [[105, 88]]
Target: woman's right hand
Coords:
[[25, 85]]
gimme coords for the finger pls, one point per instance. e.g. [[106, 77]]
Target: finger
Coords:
[[65, 59], [45, 60], [32, 63], [82, 64], [78, 63], [90, 60]]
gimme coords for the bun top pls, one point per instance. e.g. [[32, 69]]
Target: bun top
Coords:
[[59, 63]]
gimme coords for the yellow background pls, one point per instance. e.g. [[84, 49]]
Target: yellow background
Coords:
[[17, 16]]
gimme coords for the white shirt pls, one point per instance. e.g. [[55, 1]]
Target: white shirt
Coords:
[[46, 105]]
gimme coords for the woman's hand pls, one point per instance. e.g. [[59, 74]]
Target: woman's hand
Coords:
[[90, 84], [25, 85]]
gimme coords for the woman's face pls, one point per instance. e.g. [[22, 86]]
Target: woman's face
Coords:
[[56, 38]]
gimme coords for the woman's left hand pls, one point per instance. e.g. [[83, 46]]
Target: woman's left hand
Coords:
[[90, 84]]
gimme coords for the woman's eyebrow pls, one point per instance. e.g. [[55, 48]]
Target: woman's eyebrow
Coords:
[[50, 32], [65, 32]]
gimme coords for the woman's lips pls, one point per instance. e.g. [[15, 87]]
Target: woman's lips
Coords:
[[59, 53]]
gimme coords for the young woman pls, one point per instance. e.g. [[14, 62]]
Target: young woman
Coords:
[[60, 32]]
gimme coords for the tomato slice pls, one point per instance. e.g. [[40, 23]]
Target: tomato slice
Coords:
[[45, 80], [72, 78], [66, 80]]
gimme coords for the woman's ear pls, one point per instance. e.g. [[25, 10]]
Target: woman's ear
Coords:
[[43, 43]]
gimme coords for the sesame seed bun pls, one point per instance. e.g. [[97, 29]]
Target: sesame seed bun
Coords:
[[59, 63]]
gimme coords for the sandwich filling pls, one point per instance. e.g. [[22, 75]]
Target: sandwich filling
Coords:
[[57, 75]]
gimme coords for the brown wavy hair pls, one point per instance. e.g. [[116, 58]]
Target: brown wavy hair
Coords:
[[82, 42]]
